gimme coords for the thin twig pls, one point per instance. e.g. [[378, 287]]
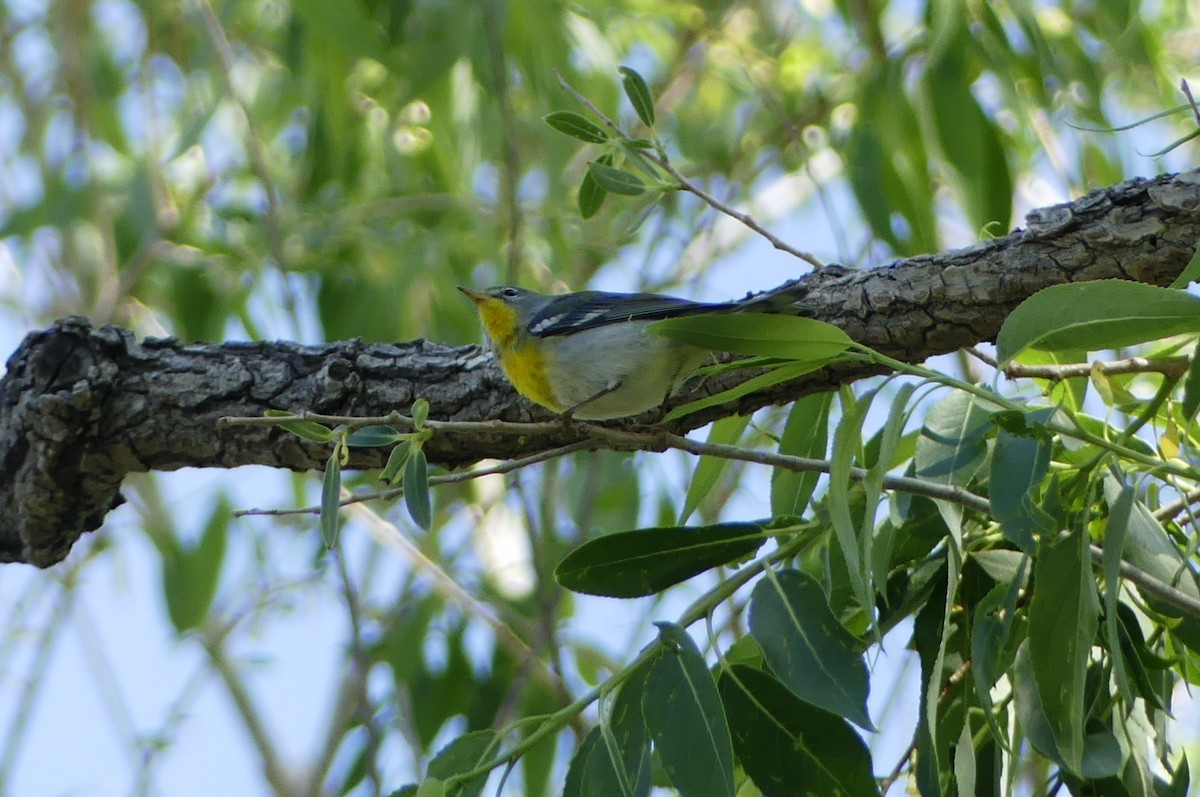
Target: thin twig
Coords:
[[1150, 584], [1169, 511], [663, 162], [493, 33], [448, 478], [361, 665], [1174, 367], [388, 535], [254, 147]]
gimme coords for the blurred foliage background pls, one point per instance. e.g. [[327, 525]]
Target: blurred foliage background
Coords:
[[317, 170]]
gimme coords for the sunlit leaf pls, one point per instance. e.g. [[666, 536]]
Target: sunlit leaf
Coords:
[[765, 334], [1100, 314]]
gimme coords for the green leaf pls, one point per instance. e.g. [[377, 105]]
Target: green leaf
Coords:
[[952, 446], [614, 758], [1190, 273], [805, 434], [685, 718], [847, 442], [309, 430], [1148, 547], [1191, 389], [807, 647], [969, 139], [576, 126], [331, 496], [397, 460], [726, 431], [788, 747], [1115, 533], [776, 375], [617, 759], [577, 770], [191, 574], [631, 564], [373, 437], [766, 334], [993, 643], [1103, 314], [616, 181], [639, 95], [419, 413], [1063, 617], [416, 489], [1018, 465], [464, 754], [591, 196], [887, 163]]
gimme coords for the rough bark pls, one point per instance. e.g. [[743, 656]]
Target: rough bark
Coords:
[[80, 407]]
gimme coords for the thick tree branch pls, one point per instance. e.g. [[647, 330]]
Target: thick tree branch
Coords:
[[81, 407]]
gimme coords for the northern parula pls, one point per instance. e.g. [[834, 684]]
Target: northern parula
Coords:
[[588, 355]]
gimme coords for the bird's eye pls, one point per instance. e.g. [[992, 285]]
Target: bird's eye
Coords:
[[510, 292]]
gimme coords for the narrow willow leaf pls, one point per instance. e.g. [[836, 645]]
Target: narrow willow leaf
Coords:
[[576, 126], [964, 763], [331, 495], [591, 196], [1102, 314], [1190, 273], [373, 437], [464, 754], [847, 440], [726, 431], [1148, 547], [788, 747], [631, 564], [573, 786], [1030, 713], [416, 489], [993, 644], [775, 376], [806, 646], [1115, 532], [685, 718], [805, 434], [1191, 389], [952, 446], [872, 485], [1018, 466], [1063, 617], [620, 762], [616, 181], [191, 573], [397, 460], [420, 412], [765, 334], [934, 626], [309, 430], [639, 95]]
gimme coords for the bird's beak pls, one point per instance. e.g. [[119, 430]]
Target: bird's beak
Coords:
[[475, 296]]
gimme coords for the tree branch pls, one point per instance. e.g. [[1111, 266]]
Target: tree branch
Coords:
[[84, 406]]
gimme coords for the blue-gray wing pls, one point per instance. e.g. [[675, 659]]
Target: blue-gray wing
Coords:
[[596, 308]]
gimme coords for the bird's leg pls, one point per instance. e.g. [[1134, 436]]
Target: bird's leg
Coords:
[[568, 414]]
